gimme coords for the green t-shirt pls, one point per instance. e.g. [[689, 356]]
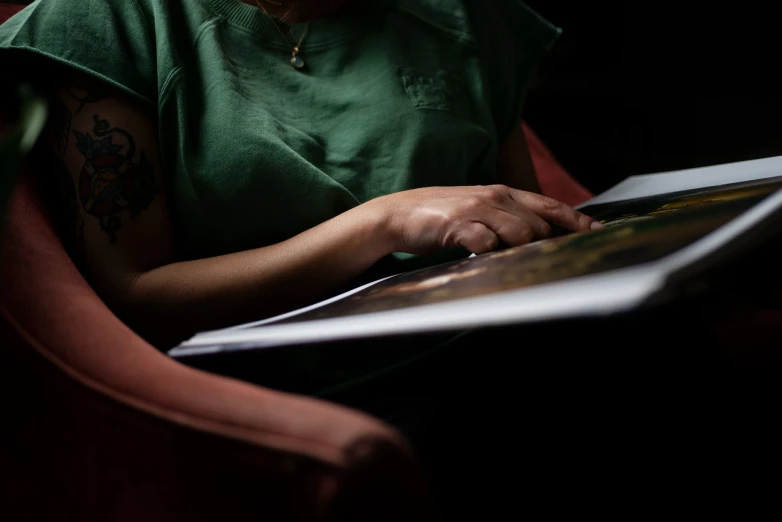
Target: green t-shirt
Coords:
[[396, 94]]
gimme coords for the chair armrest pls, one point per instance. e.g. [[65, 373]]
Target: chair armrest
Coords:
[[106, 427]]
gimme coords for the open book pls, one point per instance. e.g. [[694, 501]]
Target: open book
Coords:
[[662, 230]]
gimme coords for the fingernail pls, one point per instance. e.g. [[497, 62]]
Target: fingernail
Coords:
[[596, 225]]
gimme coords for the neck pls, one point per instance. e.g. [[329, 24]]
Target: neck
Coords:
[[298, 11]]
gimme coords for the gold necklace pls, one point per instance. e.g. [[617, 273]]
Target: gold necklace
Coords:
[[296, 60]]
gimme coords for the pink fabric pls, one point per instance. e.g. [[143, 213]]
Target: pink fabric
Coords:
[[554, 180], [7, 11], [84, 373]]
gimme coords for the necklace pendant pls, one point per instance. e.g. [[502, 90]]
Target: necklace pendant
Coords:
[[297, 61]]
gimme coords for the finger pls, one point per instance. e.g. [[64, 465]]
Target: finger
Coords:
[[519, 227], [516, 221], [476, 237], [554, 211]]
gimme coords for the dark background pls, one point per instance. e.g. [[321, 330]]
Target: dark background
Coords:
[[639, 87]]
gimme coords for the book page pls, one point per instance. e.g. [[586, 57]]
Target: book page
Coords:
[[628, 288], [690, 179], [307, 309], [589, 273], [647, 243]]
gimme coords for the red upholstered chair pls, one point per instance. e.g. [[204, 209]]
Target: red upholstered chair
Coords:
[[98, 425], [7, 10], [554, 180]]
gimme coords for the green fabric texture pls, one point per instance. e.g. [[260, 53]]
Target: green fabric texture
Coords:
[[396, 94]]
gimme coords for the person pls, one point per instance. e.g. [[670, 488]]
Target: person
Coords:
[[229, 160]]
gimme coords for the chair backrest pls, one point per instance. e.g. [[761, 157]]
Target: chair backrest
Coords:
[[8, 10]]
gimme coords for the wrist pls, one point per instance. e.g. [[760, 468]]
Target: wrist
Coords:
[[377, 217]]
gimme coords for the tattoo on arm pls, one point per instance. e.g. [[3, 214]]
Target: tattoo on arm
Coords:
[[61, 116], [91, 94], [114, 177]]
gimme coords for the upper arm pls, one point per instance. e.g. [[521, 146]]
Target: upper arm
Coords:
[[105, 146], [514, 163]]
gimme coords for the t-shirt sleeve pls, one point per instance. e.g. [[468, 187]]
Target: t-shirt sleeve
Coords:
[[107, 39], [513, 39]]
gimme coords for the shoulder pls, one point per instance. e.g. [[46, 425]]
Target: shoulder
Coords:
[[60, 23], [82, 19], [80, 11], [124, 43], [482, 22], [450, 17]]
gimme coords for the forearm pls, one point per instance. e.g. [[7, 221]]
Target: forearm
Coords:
[[176, 300], [104, 158]]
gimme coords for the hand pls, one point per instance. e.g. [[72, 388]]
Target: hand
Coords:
[[475, 218]]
